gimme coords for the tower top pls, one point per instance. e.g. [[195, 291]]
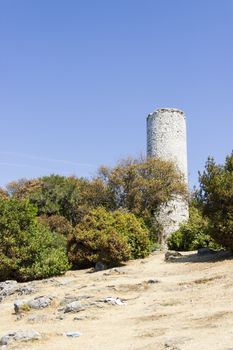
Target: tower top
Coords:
[[167, 110]]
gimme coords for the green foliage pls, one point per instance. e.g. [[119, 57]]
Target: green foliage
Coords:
[[135, 232], [56, 195], [109, 237], [52, 195], [45, 255], [22, 188], [57, 223], [137, 186], [192, 235], [72, 207], [28, 250], [140, 187], [216, 199]]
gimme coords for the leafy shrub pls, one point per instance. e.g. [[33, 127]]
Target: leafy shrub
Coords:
[[56, 223], [57, 195], [28, 250], [137, 186], [135, 231], [52, 195], [141, 187], [109, 237], [192, 235], [216, 199]]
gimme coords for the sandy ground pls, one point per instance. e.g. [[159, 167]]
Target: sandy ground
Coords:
[[187, 304]]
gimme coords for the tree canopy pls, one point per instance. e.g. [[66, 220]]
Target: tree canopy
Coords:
[[216, 199]]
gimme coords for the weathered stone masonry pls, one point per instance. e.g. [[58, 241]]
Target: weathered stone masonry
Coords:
[[166, 139]]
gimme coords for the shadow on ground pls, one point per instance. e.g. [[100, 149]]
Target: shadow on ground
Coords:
[[196, 258]]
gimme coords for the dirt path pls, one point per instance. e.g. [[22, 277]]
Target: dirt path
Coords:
[[183, 305]]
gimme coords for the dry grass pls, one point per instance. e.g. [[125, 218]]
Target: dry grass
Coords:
[[191, 308]]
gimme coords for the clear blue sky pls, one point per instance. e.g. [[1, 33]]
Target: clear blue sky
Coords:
[[78, 78]]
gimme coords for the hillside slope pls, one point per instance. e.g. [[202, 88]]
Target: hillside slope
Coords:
[[183, 305]]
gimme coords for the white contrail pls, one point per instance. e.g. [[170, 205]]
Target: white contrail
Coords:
[[30, 166], [61, 161], [22, 165]]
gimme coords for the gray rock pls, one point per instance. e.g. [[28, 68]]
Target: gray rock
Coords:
[[7, 288], [19, 316], [37, 318], [60, 317], [69, 299], [152, 281], [79, 318], [21, 306], [26, 289], [10, 287], [114, 301], [75, 306], [116, 271], [37, 303], [40, 302], [5, 340], [62, 283], [171, 347], [19, 336], [99, 266], [174, 343], [171, 255], [32, 318], [205, 251]]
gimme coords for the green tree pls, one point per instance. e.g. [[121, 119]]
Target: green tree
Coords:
[[57, 223], [22, 188], [52, 195], [57, 195], [216, 199], [193, 234], [109, 237], [137, 186], [141, 186], [28, 250]]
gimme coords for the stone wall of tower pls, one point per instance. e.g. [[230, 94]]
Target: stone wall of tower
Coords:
[[166, 139]]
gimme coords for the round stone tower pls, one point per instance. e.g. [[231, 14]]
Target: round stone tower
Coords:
[[166, 139]]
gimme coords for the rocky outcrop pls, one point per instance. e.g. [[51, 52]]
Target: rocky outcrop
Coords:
[[36, 303], [19, 336]]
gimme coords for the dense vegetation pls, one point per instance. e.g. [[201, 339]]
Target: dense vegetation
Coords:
[[108, 237], [193, 234], [211, 211], [28, 250], [109, 218], [216, 200], [52, 223]]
